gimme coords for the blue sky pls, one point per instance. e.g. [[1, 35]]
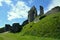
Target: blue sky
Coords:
[[12, 11]]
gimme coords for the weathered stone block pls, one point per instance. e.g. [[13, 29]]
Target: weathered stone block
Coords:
[[41, 10], [32, 14]]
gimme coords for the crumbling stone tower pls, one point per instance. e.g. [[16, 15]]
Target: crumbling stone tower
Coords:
[[41, 10], [32, 14]]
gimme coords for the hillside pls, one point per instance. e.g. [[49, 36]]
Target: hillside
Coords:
[[11, 36], [47, 27]]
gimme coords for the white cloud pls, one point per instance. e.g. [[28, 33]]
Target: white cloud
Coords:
[[20, 10], [53, 4], [6, 1]]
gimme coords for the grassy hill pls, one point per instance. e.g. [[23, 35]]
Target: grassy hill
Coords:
[[10, 36], [47, 28]]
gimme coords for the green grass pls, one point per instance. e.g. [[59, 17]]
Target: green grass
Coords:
[[47, 28], [10, 36]]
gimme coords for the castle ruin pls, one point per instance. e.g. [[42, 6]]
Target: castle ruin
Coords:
[[32, 14], [41, 10]]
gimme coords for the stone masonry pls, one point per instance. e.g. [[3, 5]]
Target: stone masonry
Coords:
[[41, 10], [32, 14]]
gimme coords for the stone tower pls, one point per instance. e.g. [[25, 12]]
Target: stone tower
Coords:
[[32, 14], [41, 10]]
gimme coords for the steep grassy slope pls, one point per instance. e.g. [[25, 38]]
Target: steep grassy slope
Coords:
[[48, 27]]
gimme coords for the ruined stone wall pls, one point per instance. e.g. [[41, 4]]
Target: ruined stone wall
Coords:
[[32, 14], [41, 10]]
